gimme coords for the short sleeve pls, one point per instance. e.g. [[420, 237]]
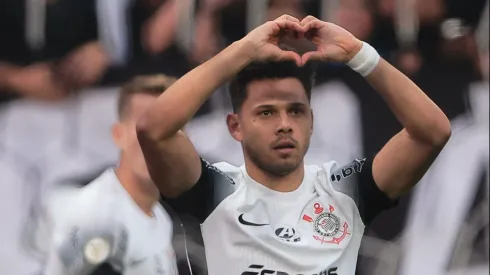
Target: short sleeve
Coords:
[[213, 186], [356, 180]]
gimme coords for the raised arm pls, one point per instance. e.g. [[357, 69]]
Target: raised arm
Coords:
[[407, 156], [172, 160]]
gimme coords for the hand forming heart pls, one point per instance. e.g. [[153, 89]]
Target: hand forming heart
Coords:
[[332, 42]]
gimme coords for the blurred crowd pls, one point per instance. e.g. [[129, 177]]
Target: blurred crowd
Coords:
[[55, 50], [52, 48]]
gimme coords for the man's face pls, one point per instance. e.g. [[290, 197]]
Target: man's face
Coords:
[[126, 138], [274, 125]]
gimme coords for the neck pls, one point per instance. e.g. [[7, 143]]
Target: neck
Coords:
[[144, 194], [286, 183]]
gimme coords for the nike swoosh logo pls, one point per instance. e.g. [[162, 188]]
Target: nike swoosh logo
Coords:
[[244, 222]]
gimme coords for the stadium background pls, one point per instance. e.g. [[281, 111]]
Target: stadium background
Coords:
[[61, 62]]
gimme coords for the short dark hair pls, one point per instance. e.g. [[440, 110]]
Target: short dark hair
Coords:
[[268, 70], [145, 84]]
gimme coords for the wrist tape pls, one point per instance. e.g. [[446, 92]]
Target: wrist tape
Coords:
[[365, 60]]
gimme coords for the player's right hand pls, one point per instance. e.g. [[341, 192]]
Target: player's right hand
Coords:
[[263, 42]]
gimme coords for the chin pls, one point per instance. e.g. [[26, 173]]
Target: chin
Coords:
[[292, 158], [282, 167]]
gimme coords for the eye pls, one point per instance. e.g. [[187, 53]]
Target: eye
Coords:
[[266, 113], [296, 111]]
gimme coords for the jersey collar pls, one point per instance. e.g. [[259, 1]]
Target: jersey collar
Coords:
[[265, 191]]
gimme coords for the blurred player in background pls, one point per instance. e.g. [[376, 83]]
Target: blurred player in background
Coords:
[[115, 222]]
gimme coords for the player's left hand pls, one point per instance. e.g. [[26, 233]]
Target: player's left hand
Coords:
[[333, 43]]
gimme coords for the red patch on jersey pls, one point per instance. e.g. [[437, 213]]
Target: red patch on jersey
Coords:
[[307, 218], [318, 208], [331, 208]]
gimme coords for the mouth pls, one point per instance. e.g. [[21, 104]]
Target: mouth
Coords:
[[285, 147]]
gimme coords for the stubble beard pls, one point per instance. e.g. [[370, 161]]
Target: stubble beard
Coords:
[[278, 168]]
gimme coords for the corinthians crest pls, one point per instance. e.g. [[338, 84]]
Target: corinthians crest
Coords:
[[327, 224], [328, 227]]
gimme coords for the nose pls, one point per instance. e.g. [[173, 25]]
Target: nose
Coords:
[[284, 126]]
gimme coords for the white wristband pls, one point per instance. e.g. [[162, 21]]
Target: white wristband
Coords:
[[365, 60]]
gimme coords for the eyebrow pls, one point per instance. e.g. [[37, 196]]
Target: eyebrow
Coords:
[[294, 104], [298, 105]]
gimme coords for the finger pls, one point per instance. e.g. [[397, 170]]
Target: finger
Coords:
[[286, 24], [290, 55], [288, 18], [308, 19], [314, 24], [316, 55]]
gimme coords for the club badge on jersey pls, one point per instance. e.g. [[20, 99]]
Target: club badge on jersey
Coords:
[[328, 227]]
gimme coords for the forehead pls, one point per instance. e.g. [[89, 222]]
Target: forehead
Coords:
[[138, 103], [275, 90]]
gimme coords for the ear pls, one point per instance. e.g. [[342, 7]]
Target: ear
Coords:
[[233, 123], [118, 135]]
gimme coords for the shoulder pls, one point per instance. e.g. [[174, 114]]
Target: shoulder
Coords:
[[82, 215], [80, 219], [340, 172], [225, 180], [216, 183], [233, 173], [342, 176], [72, 204], [335, 178], [355, 179], [221, 172]]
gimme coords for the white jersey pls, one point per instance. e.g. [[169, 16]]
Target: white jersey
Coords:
[[100, 226], [249, 229]]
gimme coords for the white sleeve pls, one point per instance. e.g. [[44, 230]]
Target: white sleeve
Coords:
[[82, 243]]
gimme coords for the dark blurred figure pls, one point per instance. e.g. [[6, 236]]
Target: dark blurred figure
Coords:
[[221, 22], [144, 33], [218, 23], [48, 48], [53, 47], [356, 17], [439, 24]]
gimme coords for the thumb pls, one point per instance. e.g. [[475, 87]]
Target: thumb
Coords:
[[315, 55], [291, 56]]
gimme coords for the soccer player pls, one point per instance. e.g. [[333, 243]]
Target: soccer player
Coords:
[[274, 215], [116, 220]]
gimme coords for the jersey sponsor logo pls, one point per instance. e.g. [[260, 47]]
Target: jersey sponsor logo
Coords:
[[244, 222], [348, 170], [256, 269], [287, 234]]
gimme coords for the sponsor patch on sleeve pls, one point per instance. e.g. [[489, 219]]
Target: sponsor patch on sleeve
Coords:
[[348, 170]]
